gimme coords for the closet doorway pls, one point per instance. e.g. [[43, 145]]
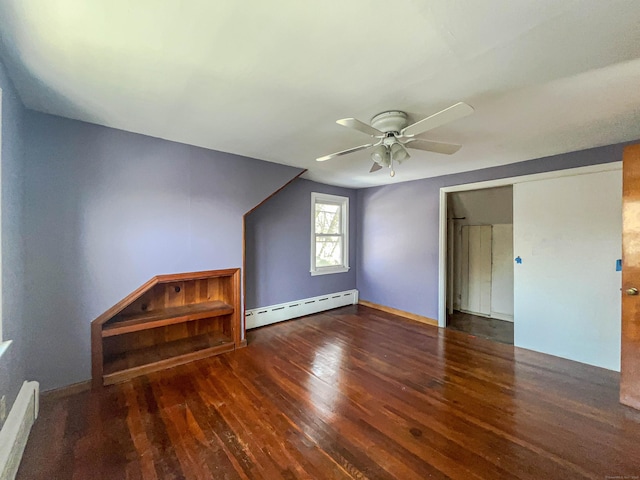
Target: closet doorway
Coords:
[[480, 263]]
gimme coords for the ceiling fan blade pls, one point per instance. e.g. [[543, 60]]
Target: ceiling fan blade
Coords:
[[360, 126], [454, 112], [375, 167], [344, 152], [430, 146]]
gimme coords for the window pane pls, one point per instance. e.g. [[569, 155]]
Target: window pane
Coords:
[[328, 218], [328, 251]]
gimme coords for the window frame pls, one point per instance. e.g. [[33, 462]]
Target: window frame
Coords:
[[343, 202], [4, 342]]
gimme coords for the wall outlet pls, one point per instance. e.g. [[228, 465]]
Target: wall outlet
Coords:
[[3, 408]]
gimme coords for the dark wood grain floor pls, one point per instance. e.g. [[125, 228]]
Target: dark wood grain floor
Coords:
[[354, 393], [491, 328]]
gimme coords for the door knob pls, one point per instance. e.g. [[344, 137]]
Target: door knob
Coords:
[[632, 291]]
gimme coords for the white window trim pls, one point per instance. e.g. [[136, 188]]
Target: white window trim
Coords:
[[4, 344], [344, 204]]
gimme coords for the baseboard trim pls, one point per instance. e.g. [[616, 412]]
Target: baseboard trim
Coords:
[[502, 316], [492, 315], [63, 392], [15, 431], [259, 317], [400, 313]]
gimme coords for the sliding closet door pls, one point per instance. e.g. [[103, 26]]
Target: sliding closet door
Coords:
[[567, 233], [502, 272]]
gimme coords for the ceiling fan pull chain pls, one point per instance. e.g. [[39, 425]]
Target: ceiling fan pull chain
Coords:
[[393, 172]]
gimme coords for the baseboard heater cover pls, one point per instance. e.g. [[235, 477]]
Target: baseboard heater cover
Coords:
[[15, 431], [259, 317]]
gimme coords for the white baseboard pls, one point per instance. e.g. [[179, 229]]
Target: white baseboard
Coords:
[[498, 316], [502, 316], [477, 314], [258, 317], [15, 431]]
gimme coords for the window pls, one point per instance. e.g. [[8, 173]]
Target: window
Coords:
[[329, 234]]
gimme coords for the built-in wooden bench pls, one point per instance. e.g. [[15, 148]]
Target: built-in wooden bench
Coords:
[[168, 321]]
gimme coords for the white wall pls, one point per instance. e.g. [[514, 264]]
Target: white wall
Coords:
[[567, 293]]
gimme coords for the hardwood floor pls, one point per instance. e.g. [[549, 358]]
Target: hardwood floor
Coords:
[[352, 393], [490, 328]]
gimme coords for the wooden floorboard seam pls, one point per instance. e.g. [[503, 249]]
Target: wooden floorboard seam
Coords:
[[352, 393]]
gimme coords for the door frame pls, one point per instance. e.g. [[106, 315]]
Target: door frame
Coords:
[[500, 182]]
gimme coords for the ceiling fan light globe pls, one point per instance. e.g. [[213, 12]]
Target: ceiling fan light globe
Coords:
[[399, 153], [380, 155]]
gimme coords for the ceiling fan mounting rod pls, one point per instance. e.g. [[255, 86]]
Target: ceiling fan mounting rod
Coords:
[[389, 139]]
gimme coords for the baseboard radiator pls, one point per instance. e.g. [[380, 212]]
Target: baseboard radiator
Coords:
[[15, 431], [258, 317]]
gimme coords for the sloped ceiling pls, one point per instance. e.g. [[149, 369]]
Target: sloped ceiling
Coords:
[[269, 79], [490, 206]]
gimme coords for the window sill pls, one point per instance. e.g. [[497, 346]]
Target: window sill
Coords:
[[327, 271], [3, 347]]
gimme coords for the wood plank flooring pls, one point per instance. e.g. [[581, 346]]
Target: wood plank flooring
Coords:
[[490, 328], [353, 393]]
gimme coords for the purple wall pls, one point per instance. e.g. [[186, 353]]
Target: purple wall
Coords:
[[278, 237], [106, 210], [12, 363], [101, 211], [398, 230]]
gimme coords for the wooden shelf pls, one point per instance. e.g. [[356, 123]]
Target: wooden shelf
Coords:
[[166, 316], [167, 355], [170, 320]]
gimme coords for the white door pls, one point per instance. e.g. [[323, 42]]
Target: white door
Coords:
[[567, 233], [502, 272], [479, 279]]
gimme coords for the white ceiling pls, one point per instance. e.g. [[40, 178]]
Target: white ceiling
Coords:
[[269, 79]]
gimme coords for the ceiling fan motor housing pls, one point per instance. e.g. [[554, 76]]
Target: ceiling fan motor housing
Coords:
[[392, 121]]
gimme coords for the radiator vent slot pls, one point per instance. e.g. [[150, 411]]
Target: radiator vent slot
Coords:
[[259, 317]]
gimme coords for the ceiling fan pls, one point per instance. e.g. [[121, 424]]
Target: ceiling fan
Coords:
[[393, 136]]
